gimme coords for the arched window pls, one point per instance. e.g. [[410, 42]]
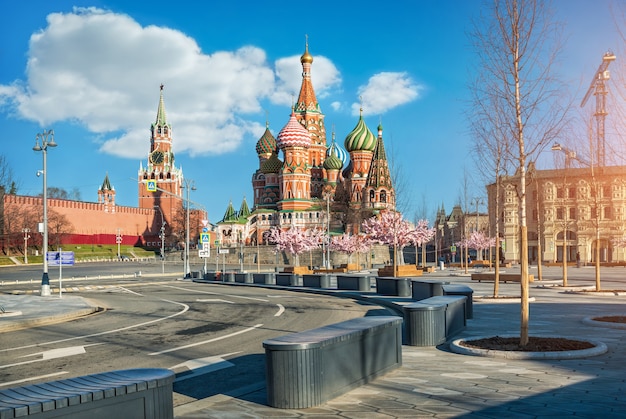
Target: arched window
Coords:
[[383, 196]]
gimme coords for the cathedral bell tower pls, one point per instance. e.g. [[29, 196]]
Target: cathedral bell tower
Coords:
[[160, 182]]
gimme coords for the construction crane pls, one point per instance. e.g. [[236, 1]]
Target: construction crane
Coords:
[[569, 155], [598, 89]]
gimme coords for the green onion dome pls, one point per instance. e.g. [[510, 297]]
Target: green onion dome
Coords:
[[272, 165], [361, 138], [333, 162], [338, 150]]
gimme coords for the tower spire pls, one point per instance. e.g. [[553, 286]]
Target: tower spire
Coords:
[[161, 118]]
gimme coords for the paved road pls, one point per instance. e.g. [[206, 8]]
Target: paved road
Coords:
[[436, 382], [180, 325]]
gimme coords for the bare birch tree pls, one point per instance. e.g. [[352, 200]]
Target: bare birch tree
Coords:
[[517, 43], [491, 151]]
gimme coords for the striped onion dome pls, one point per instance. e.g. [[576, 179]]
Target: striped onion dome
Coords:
[[272, 165], [293, 135], [360, 138], [266, 144], [333, 162], [339, 152]]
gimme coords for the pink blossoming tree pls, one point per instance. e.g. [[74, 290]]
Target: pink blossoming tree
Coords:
[[389, 228], [479, 242], [350, 244], [295, 241], [420, 235]]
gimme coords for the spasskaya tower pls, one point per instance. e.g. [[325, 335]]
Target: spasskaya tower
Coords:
[[160, 182]]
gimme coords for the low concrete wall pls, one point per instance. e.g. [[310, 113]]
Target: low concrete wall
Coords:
[[136, 393], [307, 369]]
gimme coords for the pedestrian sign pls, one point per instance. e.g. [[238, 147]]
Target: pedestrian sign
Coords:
[[151, 186], [204, 238]]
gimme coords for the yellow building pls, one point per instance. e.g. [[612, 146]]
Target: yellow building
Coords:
[[569, 212]]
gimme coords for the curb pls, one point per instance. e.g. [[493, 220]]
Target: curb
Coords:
[[598, 349], [57, 318]]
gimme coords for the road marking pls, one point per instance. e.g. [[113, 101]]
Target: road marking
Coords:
[[281, 310], [41, 377], [214, 300], [108, 332], [216, 293], [201, 366], [129, 291], [191, 345], [48, 355]]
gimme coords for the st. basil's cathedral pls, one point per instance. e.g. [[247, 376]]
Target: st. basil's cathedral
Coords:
[[300, 181], [301, 178]]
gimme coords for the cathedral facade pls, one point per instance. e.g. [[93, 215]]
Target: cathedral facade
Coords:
[[303, 181]]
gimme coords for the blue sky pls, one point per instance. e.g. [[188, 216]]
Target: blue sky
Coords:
[[91, 71]]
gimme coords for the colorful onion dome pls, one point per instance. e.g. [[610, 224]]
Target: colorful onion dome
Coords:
[[333, 162], [361, 138], [293, 135], [339, 152], [267, 143], [272, 165]]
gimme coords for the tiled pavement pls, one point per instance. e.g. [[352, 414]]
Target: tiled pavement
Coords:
[[436, 382]]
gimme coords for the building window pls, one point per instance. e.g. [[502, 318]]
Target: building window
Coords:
[[383, 197], [608, 213], [572, 213], [534, 215], [606, 191], [572, 193], [559, 213], [560, 193]]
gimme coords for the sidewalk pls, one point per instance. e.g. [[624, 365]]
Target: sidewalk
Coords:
[[434, 382]]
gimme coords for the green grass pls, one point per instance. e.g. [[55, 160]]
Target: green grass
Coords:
[[82, 252]]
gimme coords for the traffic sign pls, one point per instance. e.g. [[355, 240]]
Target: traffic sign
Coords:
[[60, 258], [204, 252], [205, 238], [151, 186]]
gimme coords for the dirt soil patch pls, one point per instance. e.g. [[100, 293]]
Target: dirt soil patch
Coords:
[[535, 344], [612, 319]]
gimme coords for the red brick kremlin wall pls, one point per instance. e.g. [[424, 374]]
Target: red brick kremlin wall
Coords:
[[90, 222]]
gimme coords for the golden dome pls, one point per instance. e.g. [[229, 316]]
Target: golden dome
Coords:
[[306, 57]]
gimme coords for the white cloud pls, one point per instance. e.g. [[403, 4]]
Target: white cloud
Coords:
[[385, 91], [103, 70]]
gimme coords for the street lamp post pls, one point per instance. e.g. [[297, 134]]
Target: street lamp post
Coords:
[[188, 185], [26, 237], [47, 140], [162, 238]]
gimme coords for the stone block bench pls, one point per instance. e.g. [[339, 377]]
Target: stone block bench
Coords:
[[136, 393], [265, 278], [354, 282], [458, 289], [316, 280], [288, 280], [308, 368], [504, 277], [426, 288], [434, 320], [395, 286]]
